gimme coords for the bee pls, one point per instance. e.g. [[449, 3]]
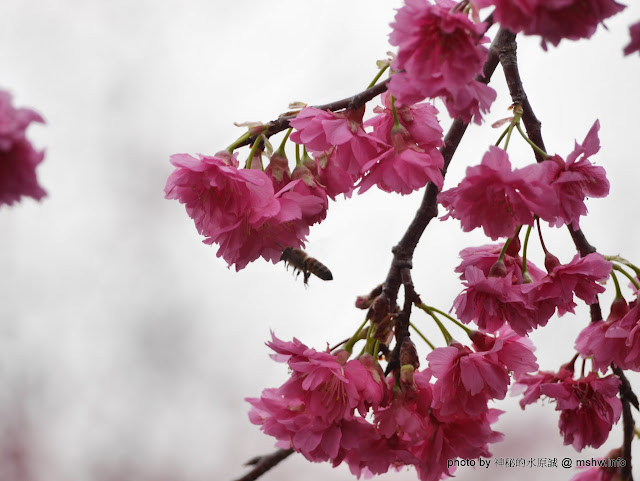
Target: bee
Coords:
[[301, 262]]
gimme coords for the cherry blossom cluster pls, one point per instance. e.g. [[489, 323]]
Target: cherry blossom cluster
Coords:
[[18, 158], [253, 213], [337, 409]]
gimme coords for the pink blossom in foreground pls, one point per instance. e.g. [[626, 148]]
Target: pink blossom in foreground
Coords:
[[18, 158], [470, 102], [576, 179], [494, 197], [531, 384], [238, 209], [634, 44], [607, 468], [439, 54], [589, 408], [553, 20]]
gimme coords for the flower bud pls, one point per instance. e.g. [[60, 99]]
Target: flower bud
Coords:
[[498, 269], [550, 261]]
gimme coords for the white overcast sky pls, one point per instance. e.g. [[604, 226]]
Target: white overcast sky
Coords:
[[126, 346]]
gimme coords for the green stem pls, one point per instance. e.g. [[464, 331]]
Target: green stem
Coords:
[[298, 158], [507, 130], [627, 275], [525, 273], [504, 249], [396, 121], [422, 335], [377, 77], [533, 146], [445, 333], [254, 148], [624, 262], [506, 142], [284, 141], [241, 139], [617, 284], [355, 338], [452, 319]]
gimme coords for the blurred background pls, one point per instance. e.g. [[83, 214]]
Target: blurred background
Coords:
[[126, 346]]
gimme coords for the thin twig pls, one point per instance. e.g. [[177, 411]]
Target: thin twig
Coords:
[[262, 464], [628, 398]]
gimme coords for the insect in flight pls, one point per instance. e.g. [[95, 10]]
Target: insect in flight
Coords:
[[301, 262]]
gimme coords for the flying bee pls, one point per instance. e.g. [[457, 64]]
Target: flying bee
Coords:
[[301, 262]]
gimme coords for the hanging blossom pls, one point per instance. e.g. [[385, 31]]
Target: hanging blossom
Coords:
[[615, 340], [411, 157], [581, 277], [468, 379], [440, 52], [588, 406], [552, 20], [499, 199], [576, 178], [18, 158], [345, 411], [634, 44], [239, 210]]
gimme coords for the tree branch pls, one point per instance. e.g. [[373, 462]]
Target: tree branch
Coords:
[[354, 102], [628, 398], [262, 464]]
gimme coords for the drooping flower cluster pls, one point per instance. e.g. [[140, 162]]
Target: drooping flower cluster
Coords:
[[340, 410], [498, 199], [552, 20], [440, 52], [18, 158], [252, 213], [239, 210], [588, 406], [496, 296]]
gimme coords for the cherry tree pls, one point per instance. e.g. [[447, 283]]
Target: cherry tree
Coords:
[[377, 401]]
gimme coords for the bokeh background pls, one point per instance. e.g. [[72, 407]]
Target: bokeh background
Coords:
[[126, 345]]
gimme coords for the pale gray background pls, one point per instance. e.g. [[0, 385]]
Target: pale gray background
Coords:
[[126, 346]]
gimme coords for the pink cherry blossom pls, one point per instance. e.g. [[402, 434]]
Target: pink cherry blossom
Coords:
[[410, 157], [18, 158], [470, 102], [493, 301], [238, 209], [606, 469], [606, 341], [466, 381], [531, 384], [634, 44], [589, 408], [579, 277], [485, 256], [440, 51], [494, 197], [514, 352], [321, 131], [553, 20], [576, 179]]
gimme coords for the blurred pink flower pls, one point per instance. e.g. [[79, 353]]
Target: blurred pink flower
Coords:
[[634, 44], [494, 197], [553, 20], [18, 158]]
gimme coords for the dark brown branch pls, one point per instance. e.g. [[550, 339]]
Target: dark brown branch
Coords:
[[354, 102], [262, 464], [403, 251], [509, 61], [628, 398]]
